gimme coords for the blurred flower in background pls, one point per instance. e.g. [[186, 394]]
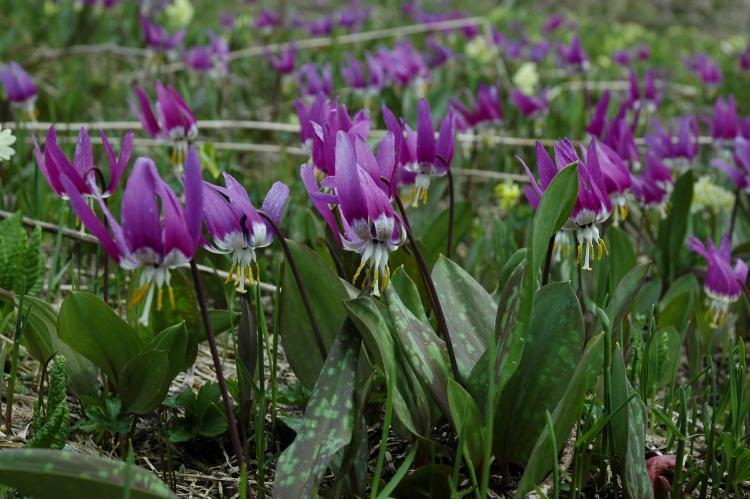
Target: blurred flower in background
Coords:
[[7, 139]]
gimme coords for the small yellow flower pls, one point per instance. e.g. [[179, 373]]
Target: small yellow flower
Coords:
[[509, 193], [526, 78], [6, 141], [707, 195], [477, 50], [179, 13]]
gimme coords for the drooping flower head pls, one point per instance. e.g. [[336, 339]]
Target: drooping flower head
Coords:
[[725, 123], [283, 62], [236, 227], [652, 187], [82, 171], [676, 151], [156, 232], [644, 98], [360, 195], [212, 58], [573, 56], [619, 136], [320, 27], [157, 37], [335, 118], [173, 121], [19, 87], [598, 122], [617, 178], [364, 77], [592, 205], [437, 53], [705, 68], [312, 80], [530, 106], [267, 20], [422, 156], [739, 173], [723, 283], [485, 109]]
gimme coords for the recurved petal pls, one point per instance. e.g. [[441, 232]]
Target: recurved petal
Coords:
[[425, 133]]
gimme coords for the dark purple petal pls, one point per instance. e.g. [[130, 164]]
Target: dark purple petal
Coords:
[[140, 210], [425, 134]]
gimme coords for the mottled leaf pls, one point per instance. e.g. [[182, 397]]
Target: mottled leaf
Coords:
[[467, 420], [553, 347], [53, 474], [326, 294], [328, 423]]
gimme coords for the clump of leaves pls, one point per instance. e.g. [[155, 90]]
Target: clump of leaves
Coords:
[[52, 423], [203, 414], [104, 417], [21, 258]]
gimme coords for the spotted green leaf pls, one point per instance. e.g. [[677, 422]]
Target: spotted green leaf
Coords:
[[328, 423]]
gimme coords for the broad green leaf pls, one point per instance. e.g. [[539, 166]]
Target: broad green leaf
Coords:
[[175, 342], [553, 347], [410, 403], [509, 268], [425, 351], [467, 420], [552, 212], [431, 481], [326, 294], [92, 329], [622, 256], [564, 416], [629, 432], [328, 423], [53, 474], [42, 341], [626, 292], [679, 302], [144, 381], [469, 312], [433, 240], [408, 291], [673, 229]]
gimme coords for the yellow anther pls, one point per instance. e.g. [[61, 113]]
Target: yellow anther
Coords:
[[624, 211], [139, 295], [359, 270], [604, 245], [578, 254], [171, 297], [386, 278], [159, 298], [229, 275]]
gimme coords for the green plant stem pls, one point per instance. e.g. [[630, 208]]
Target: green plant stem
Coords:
[[20, 326], [383, 439], [300, 285], [735, 209], [451, 212], [548, 261], [231, 421], [431, 291], [677, 478]]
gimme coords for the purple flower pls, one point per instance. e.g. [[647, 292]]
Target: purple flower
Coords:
[[619, 136], [267, 20], [157, 37], [677, 151], [82, 172], [739, 174], [723, 283], [317, 112], [19, 87], [573, 55], [157, 234], [598, 122], [484, 109], [320, 27], [421, 156], [437, 54], [646, 97], [357, 75], [369, 225], [312, 82], [335, 119], [236, 227], [227, 20], [403, 64], [744, 59], [212, 58], [592, 206], [622, 57], [173, 122], [529, 105], [705, 68], [539, 51], [643, 52], [617, 178], [284, 62], [652, 187], [353, 16], [724, 125], [552, 24]]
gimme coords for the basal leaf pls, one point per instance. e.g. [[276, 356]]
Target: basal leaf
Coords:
[[328, 423], [53, 474], [326, 294], [467, 420], [144, 381], [553, 347], [469, 312], [626, 292]]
